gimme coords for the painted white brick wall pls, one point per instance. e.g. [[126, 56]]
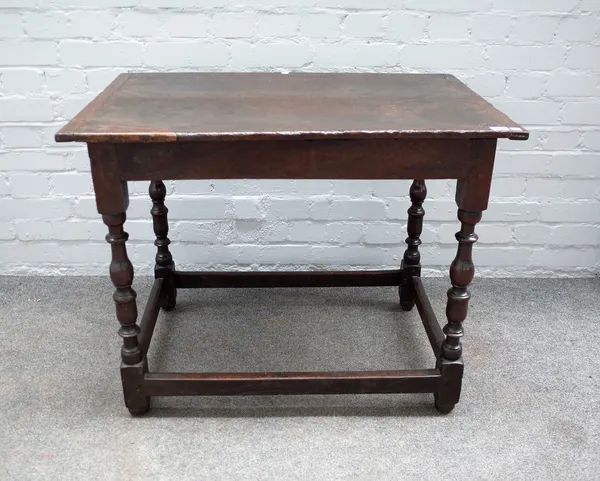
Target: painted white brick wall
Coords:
[[537, 60]]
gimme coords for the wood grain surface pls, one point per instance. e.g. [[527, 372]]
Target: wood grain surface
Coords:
[[176, 107]]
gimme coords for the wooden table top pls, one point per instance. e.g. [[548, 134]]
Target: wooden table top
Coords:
[[175, 107]]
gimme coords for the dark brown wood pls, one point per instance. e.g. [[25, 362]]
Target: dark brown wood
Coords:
[[132, 377], [90, 111], [447, 394], [462, 271], [286, 279], [121, 275], [112, 195], [473, 190], [186, 107], [165, 266], [297, 126], [411, 263], [148, 321], [304, 159], [249, 383], [133, 359], [472, 195], [428, 317]]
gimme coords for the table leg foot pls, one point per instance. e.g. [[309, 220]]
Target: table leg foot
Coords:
[[169, 300], [448, 392], [167, 305], [406, 298], [443, 408], [132, 377], [138, 412], [406, 291]]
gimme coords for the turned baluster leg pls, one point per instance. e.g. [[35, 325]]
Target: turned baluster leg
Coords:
[[164, 260], [133, 365], [462, 271], [112, 200], [472, 194], [411, 263]]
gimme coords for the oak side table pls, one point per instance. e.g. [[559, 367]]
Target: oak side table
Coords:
[[161, 126]]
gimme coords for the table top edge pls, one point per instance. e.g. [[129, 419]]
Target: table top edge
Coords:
[[171, 137], [75, 130]]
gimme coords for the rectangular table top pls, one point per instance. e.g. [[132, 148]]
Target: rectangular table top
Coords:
[[175, 107]]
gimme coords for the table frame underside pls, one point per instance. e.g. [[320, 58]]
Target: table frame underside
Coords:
[[470, 161]]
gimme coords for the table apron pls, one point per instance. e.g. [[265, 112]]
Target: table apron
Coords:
[[305, 159]]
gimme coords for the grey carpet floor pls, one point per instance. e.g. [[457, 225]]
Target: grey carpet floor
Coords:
[[529, 409]]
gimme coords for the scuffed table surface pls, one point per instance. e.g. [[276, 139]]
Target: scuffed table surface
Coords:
[[170, 107]]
